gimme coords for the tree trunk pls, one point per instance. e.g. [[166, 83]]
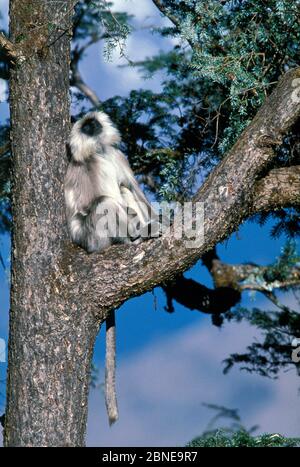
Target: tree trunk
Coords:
[[51, 337], [59, 294]]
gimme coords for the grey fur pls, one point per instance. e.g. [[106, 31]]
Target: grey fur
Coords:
[[99, 178]]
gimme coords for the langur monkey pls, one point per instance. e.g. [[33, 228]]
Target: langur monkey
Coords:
[[104, 206]]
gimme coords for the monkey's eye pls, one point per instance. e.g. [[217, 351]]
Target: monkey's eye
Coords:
[[91, 127]]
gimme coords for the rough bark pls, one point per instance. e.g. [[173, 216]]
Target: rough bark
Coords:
[[59, 294], [228, 196], [243, 277], [280, 188], [51, 335]]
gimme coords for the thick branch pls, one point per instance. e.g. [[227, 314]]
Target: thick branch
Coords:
[[227, 196], [280, 188], [164, 10], [229, 281], [250, 277]]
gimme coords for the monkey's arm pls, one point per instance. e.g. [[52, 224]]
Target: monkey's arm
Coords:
[[137, 205], [134, 198], [130, 189]]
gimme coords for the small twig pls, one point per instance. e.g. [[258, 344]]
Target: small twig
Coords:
[[115, 36], [272, 297], [163, 9]]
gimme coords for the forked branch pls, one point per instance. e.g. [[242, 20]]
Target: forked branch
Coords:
[[230, 195]]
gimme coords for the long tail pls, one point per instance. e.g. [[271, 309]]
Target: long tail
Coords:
[[110, 370]]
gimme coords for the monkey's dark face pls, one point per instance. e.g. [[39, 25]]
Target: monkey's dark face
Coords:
[[91, 127], [92, 134]]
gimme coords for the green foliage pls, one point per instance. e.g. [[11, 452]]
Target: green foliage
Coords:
[[285, 221], [278, 328], [278, 273], [210, 93], [274, 352], [281, 269], [148, 134], [234, 435], [4, 72], [242, 439], [242, 46], [232, 418]]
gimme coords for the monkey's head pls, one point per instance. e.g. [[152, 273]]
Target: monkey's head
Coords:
[[93, 132]]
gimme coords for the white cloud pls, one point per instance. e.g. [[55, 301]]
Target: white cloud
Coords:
[[162, 388], [3, 5], [137, 48], [4, 13], [140, 47], [141, 9], [108, 79], [3, 89]]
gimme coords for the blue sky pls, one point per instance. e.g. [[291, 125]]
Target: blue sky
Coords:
[[169, 364]]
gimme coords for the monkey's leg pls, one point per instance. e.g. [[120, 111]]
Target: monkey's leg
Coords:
[[145, 222], [102, 224], [110, 370], [136, 206]]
